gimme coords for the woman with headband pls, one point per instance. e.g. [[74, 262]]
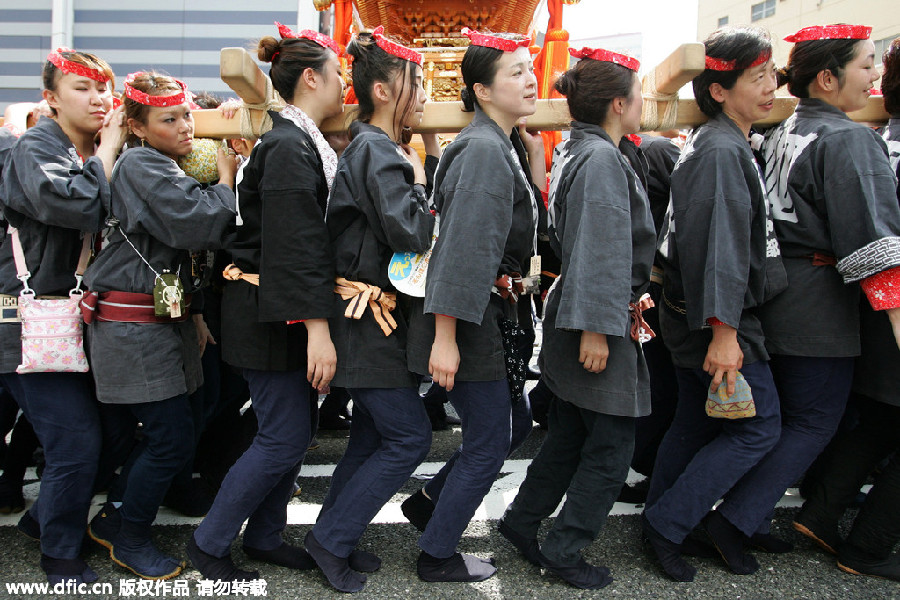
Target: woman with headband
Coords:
[[833, 200], [591, 357], [275, 307], [55, 192], [377, 207], [484, 192], [868, 549], [143, 344], [721, 263]]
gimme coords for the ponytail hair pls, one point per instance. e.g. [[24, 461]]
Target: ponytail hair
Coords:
[[479, 65], [289, 58], [372, 64], [808, 59], [591, 86]]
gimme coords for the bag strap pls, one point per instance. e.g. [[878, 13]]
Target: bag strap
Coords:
[[23, 274]]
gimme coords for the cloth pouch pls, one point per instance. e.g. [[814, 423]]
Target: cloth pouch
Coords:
[[739, 406]]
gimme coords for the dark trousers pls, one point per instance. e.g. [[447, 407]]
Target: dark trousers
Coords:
[[585, 457], [649, 430], [485, 411], [167, 445], [22, 444], [63, 411], [390, 435], [701, 458], [521, 427], [813, 393], [876, 529], [120, 426], [258, 487]]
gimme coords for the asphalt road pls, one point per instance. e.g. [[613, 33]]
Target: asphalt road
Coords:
[[807, 573]]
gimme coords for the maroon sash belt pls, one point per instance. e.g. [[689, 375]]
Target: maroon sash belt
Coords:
[[125, 307]]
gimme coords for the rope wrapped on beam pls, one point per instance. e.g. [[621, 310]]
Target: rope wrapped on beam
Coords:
[[650, 117], [273, 102]]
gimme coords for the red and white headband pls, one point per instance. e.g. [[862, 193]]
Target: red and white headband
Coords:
[[308, 34], [494, 41], [70, 66], [720, 64], [629, 62], [830, 32], [148, 100], [395, 48]]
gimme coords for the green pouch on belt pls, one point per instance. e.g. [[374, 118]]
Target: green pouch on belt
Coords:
[[168, 295]]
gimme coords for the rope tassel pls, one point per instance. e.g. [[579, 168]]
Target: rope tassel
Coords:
[[362, 295]]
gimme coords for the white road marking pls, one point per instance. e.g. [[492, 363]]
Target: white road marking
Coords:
[[502, 493]]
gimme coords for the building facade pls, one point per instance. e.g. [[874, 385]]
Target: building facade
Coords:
[[783, 17], [179, 37]]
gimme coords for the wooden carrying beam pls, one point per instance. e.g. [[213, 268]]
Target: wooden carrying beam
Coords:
[[241, 73]]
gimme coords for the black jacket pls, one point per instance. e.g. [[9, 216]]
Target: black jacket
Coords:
[[375, 210], [282, 200]]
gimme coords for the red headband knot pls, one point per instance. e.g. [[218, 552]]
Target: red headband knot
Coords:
[[308, 34], [494, 41], [830, 32], [70, 66], [719, 64], [148, 100], [395, 48], [624, 60]]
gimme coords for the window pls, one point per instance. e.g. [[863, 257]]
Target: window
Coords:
[[723, 21], [762, 10], [882, 45]]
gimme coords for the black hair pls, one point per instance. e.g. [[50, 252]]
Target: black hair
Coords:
[[590, 87], [479, 65], [890, 80], [372, 64], [808, 59], [207, 100], [289, 58], [743, 45]]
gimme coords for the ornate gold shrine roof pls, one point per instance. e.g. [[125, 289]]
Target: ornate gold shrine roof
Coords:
[[417, 21]]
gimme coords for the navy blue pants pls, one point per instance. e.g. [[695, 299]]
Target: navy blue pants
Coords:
[[258, 487], [390, 435], [521, 427], [585, 457], [487, 415], [168, 445], [701, 458], [814, 393], [63, 411]]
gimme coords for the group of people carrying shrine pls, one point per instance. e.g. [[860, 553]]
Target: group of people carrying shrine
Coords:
[[756, 266]]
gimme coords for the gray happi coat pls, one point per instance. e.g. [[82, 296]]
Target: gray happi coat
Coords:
[[164, 213], [601, 218], [832, 191], [488, 219], [54, 199], [876, 374], [717, 246], [375, 209]]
